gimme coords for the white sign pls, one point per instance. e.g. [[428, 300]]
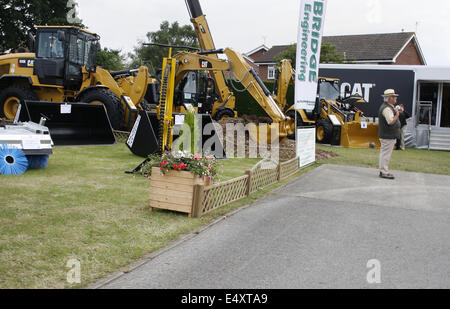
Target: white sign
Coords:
[[309, 41], [130, 103], [31, 143], [179, 119], [306, 146], [132, 136], [66, 109]]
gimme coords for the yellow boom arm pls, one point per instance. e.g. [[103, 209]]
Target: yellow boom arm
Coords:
[[206, 41]]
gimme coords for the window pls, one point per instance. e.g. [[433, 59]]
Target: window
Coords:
[[271, 72], [77, 50], [50, 46]]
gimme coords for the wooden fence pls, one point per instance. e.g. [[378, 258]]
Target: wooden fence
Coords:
[[121, 136], [264, 174]]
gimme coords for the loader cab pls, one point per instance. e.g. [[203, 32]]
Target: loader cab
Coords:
[[61, 53], [196, 89]]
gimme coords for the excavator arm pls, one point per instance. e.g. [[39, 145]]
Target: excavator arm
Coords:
[[244, 74], [283, 77], [188, 61], [206, 42]]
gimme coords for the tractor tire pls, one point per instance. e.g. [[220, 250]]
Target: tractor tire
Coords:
[[112, 103], [11, 97], [324, 131], [300, 123], [223, 113]]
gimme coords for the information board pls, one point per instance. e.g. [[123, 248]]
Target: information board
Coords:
[[306, 146]]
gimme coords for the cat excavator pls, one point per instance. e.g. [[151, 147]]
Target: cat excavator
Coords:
[[337, 120]]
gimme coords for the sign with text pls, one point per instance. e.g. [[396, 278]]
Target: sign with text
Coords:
[[306, 146], [309, 41], [371, 84]]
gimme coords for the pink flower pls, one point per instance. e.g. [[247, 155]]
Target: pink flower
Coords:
[[183, 166], [197, 156]]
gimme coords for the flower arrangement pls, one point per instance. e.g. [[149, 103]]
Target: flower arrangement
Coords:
[[197, 164]]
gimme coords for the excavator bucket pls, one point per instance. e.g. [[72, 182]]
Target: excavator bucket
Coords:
[[71, 124], [143, 140], [353, 135]]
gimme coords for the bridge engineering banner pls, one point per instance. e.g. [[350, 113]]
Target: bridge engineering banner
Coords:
[[310, 30]]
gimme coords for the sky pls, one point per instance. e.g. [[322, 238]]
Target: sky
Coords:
[[245, 25]]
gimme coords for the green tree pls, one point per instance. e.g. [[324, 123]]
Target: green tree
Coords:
[[18, 18], [111, 59], [172, 34], [328, 54]]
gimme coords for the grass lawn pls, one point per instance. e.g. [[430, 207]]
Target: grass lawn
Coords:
[[411, 160], [83, 206]]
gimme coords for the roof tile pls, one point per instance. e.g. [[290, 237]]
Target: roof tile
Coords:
[[363, 47]]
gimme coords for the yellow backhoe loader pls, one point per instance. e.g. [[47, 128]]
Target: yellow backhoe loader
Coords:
[[155, 133], [336, 119], [63, 69]]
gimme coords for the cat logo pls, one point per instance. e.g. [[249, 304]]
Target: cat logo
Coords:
[[357, 89], [26, 63], [204, 64]]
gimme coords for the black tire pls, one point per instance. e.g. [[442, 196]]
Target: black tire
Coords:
[[291, 114], [113, 105], [20, 92], [224, 113], [324, 131]]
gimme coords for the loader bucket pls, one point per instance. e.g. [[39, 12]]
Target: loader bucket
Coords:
[[143, 140], [353, 136], [71, 124]]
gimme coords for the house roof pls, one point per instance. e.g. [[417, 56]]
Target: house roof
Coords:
[[269, 56], [384, 47], [257, 49], [372, 47]]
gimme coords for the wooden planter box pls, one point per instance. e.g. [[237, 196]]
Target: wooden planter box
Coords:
[[174, 191]]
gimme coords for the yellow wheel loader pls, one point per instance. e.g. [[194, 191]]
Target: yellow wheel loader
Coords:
[[337, 120], [63, 69]]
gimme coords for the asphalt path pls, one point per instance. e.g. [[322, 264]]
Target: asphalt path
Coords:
[[334, 227]]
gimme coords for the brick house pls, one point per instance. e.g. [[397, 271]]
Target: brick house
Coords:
[[388, 49]]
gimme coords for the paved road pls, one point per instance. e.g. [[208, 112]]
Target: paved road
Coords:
[[319, 231]]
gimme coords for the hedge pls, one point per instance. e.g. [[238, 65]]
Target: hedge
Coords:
[[246, 105]]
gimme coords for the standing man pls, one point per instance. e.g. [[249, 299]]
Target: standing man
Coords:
[[389, 131]]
